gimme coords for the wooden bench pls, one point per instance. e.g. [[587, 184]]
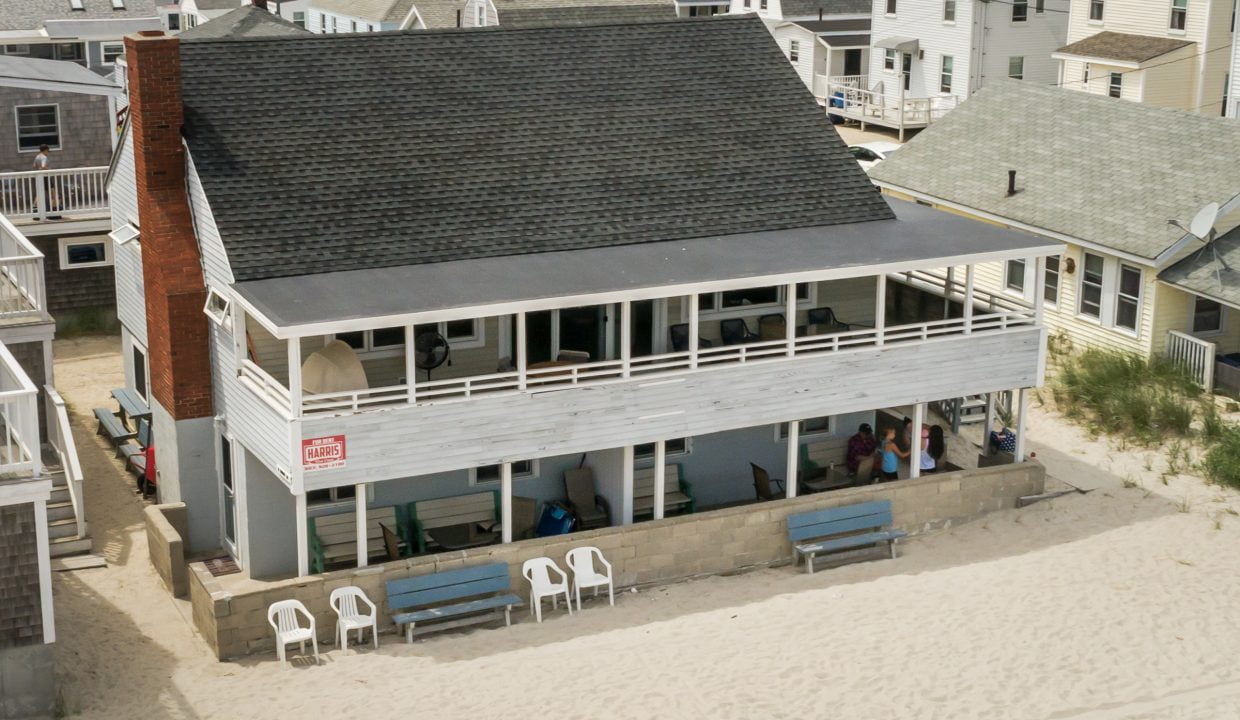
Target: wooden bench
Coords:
[[481, 508], [135, 459], [677, 492], [111, 426], [333, 538], [131, 404], [840, 529], [451, 599]]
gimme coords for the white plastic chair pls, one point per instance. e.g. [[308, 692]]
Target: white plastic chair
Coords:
[[283, 618], [345, 602], [538, 572], [585, 575]]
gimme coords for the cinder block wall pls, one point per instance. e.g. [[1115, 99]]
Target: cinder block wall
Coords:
[[166, 527], [719, 541]]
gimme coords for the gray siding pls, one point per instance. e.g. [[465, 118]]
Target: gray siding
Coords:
[[75, 288], [85, 129], [21, 609]]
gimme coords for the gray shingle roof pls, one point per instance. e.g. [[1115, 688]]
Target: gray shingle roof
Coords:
[[579, 138], [810, 8], [1202, 271], [578, 14], [27, 14], [439, 14], [392, 11], [1106, 171], [1123, 46], [849, 25], [66, 75], [247, 21]]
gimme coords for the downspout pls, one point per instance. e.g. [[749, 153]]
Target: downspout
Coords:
[[1201, 67]]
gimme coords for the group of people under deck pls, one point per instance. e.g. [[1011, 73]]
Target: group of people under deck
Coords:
[[892, 449]]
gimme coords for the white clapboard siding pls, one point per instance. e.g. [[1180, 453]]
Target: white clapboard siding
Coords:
[[255, 423], [924, 21], [1034, 40], [218, 273], [127, 258], [436, 438], [784, 37]]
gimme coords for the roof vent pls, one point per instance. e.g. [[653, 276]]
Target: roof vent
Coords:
[[1011, 183]]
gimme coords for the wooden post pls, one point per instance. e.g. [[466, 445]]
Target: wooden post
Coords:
[[988, 425], [40, 197], [1039, 289], [790, 319], [238, 332], [626, 337], [303, 542], [968, 299], [880, 309], [359, 503], [521, 350], [794, 457], [660, 478], [693, 331], [294, 376], [411, 366], [1022, 396], [949, 288], [914, 441], [505, 501], [626, 487]]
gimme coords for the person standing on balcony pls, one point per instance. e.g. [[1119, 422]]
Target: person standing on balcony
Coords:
[[43, 161], [892, 455]]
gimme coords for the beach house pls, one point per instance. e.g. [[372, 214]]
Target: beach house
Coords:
[[87, 32], [1169, 53], [1231, 98], [548, 13], [1069, 166]]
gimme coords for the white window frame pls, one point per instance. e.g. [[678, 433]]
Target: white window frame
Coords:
[[1172, 9], [1021, 74], [218, 308], [1102, 12], [1119, 295], [174, 21], [477, 339], [687, 449], [76, 5], [533, 472], [480, 14], [1102, 289], [124, 234], [781, 429], [947, 66], [118, 4], [794, 50], [299, 18], [891, 8], [1039, 7], [140, 349], [103, 52], [18, 129], [66, 242], [1057, 273], [744, 311], [1023, 291], [233, 545], [335, 502], [949, 5], [1192, 318], [1116, 87], [369, 349], [1020, 4]]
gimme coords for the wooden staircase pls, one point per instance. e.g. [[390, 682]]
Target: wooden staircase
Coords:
[[66, 521], [66, 533]]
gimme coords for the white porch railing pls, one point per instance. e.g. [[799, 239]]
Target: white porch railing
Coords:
[[1193, 354], [19, 418], [22, 293], [60, 437], [857, 102], [953, 287], [44, 194]]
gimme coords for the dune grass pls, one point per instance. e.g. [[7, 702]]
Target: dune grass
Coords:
[[1222, 461], [1125, 394]]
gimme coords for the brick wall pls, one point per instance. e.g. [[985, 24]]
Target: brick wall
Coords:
[[707, 543], [21, 612], [166, 526], [75, 288], [85, 129]]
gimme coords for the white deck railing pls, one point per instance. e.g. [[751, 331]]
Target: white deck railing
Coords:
[[46, 194], [1195, 355], [60, 437], [871, 106], [22, 292], [939, 282], [19, 418]]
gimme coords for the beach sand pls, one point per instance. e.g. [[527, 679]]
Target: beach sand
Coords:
[[1121, 603]]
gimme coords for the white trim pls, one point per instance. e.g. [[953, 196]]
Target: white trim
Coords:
[[67, 242], [124, 234], [219, 311], [1192, 318], [532, 473], [1119, 294], [338, 503], [1098, 60], [688, 450], [43, 552], [802, 433], [17, 128]]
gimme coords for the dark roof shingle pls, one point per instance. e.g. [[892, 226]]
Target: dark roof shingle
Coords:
[[1123, 46]]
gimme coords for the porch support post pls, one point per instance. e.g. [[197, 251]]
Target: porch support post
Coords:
[[505, 501], [1039, 289], [790, 319], [968, 299], [794, 457], [294, 376], [988, 425], [519, 321], [626, 487], [626, 337], [693, 331], [44, 559], [948, 290], [411, 367], [1022, 397], [880, 309], [363, 547], [303, 543], [660, 478], [914, 441], [238, 333]]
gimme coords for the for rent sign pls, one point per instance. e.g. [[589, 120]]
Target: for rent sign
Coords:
[[323, 453]]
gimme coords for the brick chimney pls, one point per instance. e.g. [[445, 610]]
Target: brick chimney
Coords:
[[177, 334]]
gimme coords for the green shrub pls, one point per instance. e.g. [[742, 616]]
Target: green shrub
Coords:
[[1222, 461], [1123, 393]]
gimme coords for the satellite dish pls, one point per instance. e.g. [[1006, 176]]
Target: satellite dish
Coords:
[[1203, 222], [430, 350]]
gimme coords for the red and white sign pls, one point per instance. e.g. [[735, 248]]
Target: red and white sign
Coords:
[[323, 453]]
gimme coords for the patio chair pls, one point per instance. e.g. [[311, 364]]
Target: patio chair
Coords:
[[391, 542], [590, 508], [679, 335], [772, 327], [576, 357], [349, 617], [734, 331], [537, 572], [586, 575], [822, 321], [282, 616], [762, 484], [524, 517]]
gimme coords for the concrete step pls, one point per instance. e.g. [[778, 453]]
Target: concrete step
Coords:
[[59, 511], [61, 528], [63, 547]]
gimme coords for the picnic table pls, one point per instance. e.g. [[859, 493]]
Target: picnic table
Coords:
[[132, 405], [460, 537]]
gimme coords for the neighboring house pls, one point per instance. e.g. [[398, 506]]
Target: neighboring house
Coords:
[[559, 258], [701, 8], [1231, 102], [58, 30], [926, 57], [245, 21], [1084, 176], [199, 12], [359, 16], [549, 13], [1169, 53]]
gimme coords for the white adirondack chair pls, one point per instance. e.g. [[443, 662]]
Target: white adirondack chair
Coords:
[[538, 572], [345, 601], [283, 618], [586, 574]]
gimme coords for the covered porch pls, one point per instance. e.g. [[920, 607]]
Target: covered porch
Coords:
[[1197, 316]]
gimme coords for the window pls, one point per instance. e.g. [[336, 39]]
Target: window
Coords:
[[139, 372], [761, 4], [949, 10], [1179, 14], [333, 22], [74, 52], [174, 21], [299, 19], [1014, 276], [1207, 316], [111, 51], [794, 50], [37, 125], [1116, 86], [1128, 299], [352, 26], [15, 49], [1085, 77], [228, 492], [746, 4], [488, 474], [1020, 10], [118, 4], [76, 5], [459, 334], [480, 13], [809, 426], [80, 253], [891, 7], [336, 495], [1050, 283], [191, 22], [1016, 68], [1091, 286], [217, 309], [125, 234], [1039, 6], [675, 446], [945, 75], [1095, 10], [749, 298], [889, 60]]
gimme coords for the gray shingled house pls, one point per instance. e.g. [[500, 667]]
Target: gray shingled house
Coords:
[[638, 248]]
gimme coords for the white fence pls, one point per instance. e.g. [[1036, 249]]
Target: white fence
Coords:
[[19, 418], [22, 292], [1194, 355], [47, 194], [60, 437]]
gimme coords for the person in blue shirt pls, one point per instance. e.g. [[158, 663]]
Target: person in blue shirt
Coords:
[[892, 454]]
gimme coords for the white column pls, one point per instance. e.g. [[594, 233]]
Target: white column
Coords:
[[240, 351], [40, 197], [626, 336], [880, 308], [411, 366], [294, 376], [43, 551], [914, 441], [693, 330], [1022, 396], [660, 478], [521, 350], [363, 547], [989, 425], [303, 548], [1039, 289], [968, 299], [790, 318], [948, 289], [505, 501], [794, 456], [626, 511]]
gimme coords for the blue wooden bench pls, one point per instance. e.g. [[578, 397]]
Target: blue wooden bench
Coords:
[[131, 404], [111, 425], [838, 529], [451, 599]]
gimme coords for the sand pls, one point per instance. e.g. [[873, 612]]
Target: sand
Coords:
[[1119, 603]]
